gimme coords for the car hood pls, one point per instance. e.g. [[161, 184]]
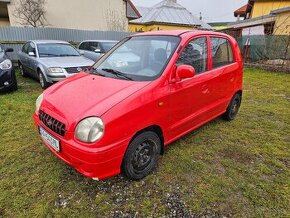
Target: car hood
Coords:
[[85, 95], [64, 62]]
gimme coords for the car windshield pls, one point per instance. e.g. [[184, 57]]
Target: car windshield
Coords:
[[107, 45], [56, 50], [140, 58]]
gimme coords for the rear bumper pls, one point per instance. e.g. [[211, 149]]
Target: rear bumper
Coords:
[[96, 165]]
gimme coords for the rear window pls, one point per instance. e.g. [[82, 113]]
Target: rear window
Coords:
[[222, 53]]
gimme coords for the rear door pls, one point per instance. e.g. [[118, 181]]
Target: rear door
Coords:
[[223, 68]]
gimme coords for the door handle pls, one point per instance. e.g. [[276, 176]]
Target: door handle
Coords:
[[205, 89]]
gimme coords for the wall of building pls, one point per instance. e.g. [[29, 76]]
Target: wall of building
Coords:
[[264, 7], [4, 22], [81, 14], [154, 27], [282, 24]]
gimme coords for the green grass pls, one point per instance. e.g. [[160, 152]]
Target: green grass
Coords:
[[239, 168]]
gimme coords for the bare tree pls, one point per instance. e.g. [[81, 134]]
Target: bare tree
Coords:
[[31, 12], [115, 21]]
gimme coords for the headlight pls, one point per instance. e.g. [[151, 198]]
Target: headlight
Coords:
[[38, 102], [6, 65], [90, 129], [55, 70]]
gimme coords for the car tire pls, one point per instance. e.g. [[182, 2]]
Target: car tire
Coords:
[[22, 71], [15, 86], [233, 107], [42, 80], [141, 156]]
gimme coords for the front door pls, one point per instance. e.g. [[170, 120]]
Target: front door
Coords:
[[190, 97]]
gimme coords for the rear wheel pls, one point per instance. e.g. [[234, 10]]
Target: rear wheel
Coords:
[[141, 156], [233, 107], [43, 83]]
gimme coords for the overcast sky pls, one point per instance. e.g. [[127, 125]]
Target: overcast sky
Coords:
[[212, 10]]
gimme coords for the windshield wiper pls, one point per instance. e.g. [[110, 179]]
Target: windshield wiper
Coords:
[[47, 54], [94, 71], [117, 73], [67, 55]]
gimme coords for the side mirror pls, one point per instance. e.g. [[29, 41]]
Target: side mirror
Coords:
[[81, 52], [184, 72], [31, 53], [9, 50], [98, 50]]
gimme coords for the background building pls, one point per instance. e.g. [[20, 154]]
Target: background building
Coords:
[[259, 17], [166, 15], [112, 15]]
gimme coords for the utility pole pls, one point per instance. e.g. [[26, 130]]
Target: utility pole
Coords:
[[200, 16]]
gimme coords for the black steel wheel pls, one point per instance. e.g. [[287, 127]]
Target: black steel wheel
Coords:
[[141, 156], [233, 107]]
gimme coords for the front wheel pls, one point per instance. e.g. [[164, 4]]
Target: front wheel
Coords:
[[141, 156], [43, 83], [233, 107]]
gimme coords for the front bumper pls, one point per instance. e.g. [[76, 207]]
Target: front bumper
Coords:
[[7, 79], [96, 165]]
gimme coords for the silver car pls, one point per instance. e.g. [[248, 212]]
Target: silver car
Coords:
[[50, 61], [94, 49]]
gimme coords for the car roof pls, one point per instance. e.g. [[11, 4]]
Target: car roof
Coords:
[[48, 41], [179, 33], [94, 40]]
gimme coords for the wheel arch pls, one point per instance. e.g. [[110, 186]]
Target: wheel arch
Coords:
[[240, 92], [153, 128], [39, 69]]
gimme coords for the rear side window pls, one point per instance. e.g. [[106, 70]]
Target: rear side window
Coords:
[[195, 55], [222, 53]]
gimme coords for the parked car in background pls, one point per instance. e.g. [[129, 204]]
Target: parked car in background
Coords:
[[50, 61], [8, 80], [120, 115], [94, 49]]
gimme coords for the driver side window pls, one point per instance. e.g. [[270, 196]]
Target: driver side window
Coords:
[[31, 48], [25, 48], [195, 54]]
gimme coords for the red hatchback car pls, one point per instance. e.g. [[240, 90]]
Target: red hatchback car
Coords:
[[146, 92]]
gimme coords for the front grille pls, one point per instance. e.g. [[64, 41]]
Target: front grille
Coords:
[[53, 124], [72, 70]]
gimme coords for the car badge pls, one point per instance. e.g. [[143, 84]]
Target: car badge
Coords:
[[49, 123]]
